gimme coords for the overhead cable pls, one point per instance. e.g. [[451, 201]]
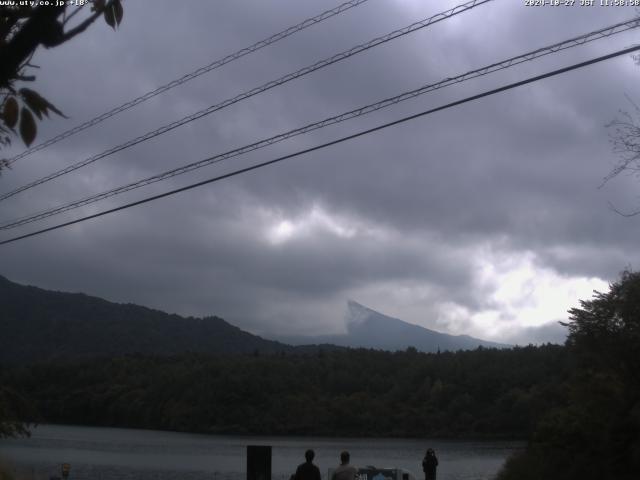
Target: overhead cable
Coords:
[[510, 62], [190, 76], [328, 144], [250, 93]]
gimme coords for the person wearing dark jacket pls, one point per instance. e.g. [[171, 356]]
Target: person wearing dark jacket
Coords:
[[429, 464], [307, 470]]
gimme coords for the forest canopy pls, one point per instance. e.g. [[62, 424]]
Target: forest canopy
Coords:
[[485, 392]]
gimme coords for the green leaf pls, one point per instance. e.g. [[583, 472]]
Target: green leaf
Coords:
[[28, 127], [110, 16], [34, 101], [113, 13], [38, 104], [10, 112], [118, 11]]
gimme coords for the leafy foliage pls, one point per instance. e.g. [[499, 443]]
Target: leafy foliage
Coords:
[[23, 28], [605, 332], [485, 392], [595, 432]]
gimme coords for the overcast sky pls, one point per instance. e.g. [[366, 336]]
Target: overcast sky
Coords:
[[484, 219]]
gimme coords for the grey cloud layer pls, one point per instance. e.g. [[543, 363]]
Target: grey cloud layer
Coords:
[[517, 171]]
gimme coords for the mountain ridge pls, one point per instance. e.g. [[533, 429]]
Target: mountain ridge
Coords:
[[367, 328], [38, 325], [42, 325]]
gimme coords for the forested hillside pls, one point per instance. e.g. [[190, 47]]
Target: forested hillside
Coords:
[[40, 325], [485, 392]]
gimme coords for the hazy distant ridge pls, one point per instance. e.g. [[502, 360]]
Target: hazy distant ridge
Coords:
[[370, 329]]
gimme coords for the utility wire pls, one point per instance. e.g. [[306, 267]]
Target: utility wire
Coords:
[[194, 74], [529, 56], [333, 142], [250, 93]]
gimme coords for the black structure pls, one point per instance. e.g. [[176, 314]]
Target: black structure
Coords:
[[258, 462]]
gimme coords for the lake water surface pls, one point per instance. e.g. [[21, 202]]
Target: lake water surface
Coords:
[[126, 454]]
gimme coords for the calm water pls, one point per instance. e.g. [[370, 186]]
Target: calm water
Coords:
[[124, 454]]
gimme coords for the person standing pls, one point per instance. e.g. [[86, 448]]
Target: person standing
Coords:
[[307, 470], [429, 464], [344, 470]]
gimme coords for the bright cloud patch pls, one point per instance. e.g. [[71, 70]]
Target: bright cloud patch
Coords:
[[517, 300], [316, 220], [521, 292]]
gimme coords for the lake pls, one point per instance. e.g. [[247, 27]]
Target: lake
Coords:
[[126, 454]]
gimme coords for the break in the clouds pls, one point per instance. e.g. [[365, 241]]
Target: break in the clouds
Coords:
[[484, 219]]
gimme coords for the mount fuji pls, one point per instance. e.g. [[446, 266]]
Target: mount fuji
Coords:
[[367, 328]]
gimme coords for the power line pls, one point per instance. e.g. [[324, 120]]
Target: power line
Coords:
[[529, 56], [194, 74], [333, 142], [250, 93]]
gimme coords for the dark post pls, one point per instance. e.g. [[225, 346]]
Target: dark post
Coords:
[[258, 462]]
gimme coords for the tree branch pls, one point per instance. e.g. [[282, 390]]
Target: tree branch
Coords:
[[623, 214], [72, 14], [31, 34], [82, 26]]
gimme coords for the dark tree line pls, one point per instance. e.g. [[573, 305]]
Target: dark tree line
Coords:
[[361, 392]]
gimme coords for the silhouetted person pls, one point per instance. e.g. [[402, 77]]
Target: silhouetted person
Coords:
[[429, 464], [307, 470], [344, 470]]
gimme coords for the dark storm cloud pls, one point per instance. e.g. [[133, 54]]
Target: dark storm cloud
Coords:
[[214, 258], [402, 219]]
